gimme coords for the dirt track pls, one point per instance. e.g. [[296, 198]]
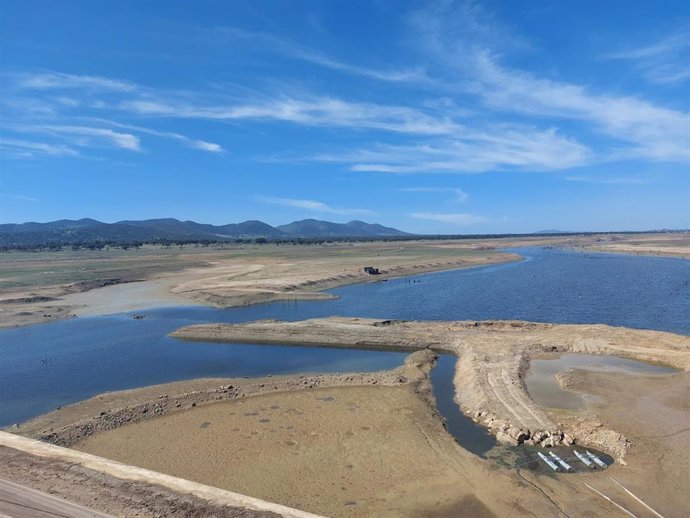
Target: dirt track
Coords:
[[493, 358], [109, 494], [360, 438]]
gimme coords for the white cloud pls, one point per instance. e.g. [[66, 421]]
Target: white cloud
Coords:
[[21, 197], [206, 146], [16, 148], [460, 195], [499, 148], [463, 51], [61, 81], [190, 142], [120, 140], [314, 111], [315, 206], [461, 219], [649, 131], [288, 48], [609, 181], [664, 62], [463, 41]]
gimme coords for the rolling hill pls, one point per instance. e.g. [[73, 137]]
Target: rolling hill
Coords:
[[66, 232]]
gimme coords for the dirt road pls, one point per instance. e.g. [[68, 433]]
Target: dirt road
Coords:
[[19, 501]]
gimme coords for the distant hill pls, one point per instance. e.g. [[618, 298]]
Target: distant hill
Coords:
[[316, 228], [553, 231], [90, 231]]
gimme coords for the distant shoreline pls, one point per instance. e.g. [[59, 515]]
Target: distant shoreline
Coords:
[[245, 275]]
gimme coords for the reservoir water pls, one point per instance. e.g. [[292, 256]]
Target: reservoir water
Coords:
[[49, 365]]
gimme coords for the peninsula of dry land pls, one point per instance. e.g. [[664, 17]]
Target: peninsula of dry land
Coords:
[[374, 445]]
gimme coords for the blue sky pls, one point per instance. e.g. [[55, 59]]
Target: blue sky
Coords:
[[435, 117]]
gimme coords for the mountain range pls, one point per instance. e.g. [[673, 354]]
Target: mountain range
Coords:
[[87, 230]]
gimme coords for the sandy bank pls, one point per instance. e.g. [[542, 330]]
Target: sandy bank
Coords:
[[119, 489], [365, 445], [239, 276], [654, 413], [47, 286], [676, 244], [73, 423], [493, 358], [341, 445]]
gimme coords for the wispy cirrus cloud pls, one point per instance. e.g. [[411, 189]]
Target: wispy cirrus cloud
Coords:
[[312, 111], [646, 130], [63, 116], [456, 218], [85, 136], [459, 195], [501, 148], [20, 197], [526, 121], [202, 145], [23, 149], [623, 180], [61, 81], [277, 44], [642, 129], [314, 206], [666, 61]]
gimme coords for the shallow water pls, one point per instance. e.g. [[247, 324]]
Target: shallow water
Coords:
[[545, 390], [49, 365], [470, 435]]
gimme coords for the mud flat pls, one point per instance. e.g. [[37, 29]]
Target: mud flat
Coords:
[[45, 286], [654, 412], [493, 359], [42, 287], [373, 444], [339, 445], [676, 244]]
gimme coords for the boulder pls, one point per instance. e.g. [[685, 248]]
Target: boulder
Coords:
[[518, 434], [505, 438], [550, 441], [538, 437]]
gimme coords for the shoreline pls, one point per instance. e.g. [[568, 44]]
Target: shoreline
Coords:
[[72, 423], [196, 287], [489, 379], [197, 416], [209, 278]]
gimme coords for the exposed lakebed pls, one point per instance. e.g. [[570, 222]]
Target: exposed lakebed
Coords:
[[49, 365], [545, 390]]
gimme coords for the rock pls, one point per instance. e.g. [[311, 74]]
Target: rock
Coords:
[[552, 440], [518, 434], [537, 437], [505, 438]]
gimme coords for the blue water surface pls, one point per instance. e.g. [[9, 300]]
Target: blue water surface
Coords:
[[49, 365]]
